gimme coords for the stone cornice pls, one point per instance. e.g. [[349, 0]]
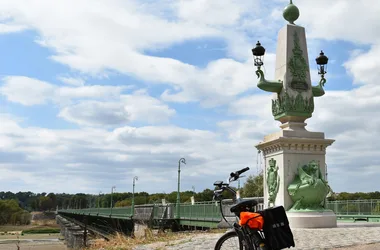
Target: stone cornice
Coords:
[[295, 145]]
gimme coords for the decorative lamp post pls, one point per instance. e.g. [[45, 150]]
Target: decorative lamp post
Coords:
[[100, 192], [258, 59], [258, 55], [133, 195], [113, 187], [182, 160], [322, 61], [293, 102]]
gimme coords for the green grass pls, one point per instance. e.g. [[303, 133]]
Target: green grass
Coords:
[[41, 231]]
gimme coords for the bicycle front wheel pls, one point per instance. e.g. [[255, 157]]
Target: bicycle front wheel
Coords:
[[229, 241]]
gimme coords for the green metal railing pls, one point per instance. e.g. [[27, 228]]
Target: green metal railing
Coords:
[[355, 207], [202, 212], [116, 212]]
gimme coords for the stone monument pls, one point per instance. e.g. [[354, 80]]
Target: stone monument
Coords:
[[294, 175]]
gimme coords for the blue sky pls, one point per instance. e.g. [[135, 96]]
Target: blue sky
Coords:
[[96, 92]]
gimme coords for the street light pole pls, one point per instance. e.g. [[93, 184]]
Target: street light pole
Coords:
[[133, 194], [99, 201], [182, 160], [113, 187]]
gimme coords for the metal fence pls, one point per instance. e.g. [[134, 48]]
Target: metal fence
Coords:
[[355, 207], [210, 210], [114, 212]]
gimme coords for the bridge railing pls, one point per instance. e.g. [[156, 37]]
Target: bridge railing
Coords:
[[355, 207], [200, 210], [114, 212], [209, 211]]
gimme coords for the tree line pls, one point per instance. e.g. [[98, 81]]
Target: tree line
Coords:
[[253, 187]]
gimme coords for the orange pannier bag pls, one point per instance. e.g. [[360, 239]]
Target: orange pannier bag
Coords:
[[253, 220]]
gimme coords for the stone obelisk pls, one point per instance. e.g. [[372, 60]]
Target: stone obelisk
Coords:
[[294, 175]]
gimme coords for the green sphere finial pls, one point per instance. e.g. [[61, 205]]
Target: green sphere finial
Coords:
[[291, 13]]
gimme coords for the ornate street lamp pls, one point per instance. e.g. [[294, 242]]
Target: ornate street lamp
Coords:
[[258, 55], [258, 59], [133, 194], [113, 187], [99, 201], [182, 160], [322, 61]]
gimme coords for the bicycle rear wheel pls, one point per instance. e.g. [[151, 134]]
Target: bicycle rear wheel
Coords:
[[229, 241]]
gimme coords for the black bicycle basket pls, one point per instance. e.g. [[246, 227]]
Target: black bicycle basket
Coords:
[[276, 228]]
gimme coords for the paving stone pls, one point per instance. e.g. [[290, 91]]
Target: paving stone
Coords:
[[304, 238]]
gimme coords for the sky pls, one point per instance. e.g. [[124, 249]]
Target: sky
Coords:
[[93, 93]]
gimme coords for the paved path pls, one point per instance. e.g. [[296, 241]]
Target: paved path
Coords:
[[356, 237]]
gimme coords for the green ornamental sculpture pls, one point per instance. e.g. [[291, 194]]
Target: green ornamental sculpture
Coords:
[[286, 106], [273, 181], [309, 190]]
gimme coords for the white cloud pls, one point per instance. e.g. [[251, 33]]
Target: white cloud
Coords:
[[223, 12], [72, 81], [9, 28], [96, 113], [79, 38], [135, 107], [110, 156], [29, 91], [26, 91]]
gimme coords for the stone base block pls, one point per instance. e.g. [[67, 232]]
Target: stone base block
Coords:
[[326, 219]]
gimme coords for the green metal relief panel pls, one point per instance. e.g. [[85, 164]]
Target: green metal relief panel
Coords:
[[273, 181], [287, 105], [308, 189], [298, 67], [294, 100]]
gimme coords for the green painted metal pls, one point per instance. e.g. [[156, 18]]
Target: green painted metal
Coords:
[[355, 207], [287, 105], [133, 195], [270, 86], [273, 181], [298, 67], [318, 90], [308, 189], [197, 223], [291, 13], [205, 211], [117, 212], [207, 214], [182, 160]]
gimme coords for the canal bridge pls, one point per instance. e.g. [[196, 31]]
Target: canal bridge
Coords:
[[198, 215]]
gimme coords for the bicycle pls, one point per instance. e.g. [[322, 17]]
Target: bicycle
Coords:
[[270, 231]]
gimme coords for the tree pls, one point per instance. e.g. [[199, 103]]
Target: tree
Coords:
[[12, 213], [253, 187], [46, 203]]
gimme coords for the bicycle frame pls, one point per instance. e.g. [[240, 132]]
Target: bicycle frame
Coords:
[[244, 233]]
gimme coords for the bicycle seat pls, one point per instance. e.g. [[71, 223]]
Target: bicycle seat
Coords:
[[243, 206]]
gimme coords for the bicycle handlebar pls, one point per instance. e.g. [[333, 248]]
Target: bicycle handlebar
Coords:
[[236, 175]]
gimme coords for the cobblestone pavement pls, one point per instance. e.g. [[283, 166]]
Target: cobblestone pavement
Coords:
[[332, 238]]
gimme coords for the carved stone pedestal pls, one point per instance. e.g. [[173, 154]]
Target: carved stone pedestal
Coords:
[[295, 172], [325, 219], [294, 175]]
